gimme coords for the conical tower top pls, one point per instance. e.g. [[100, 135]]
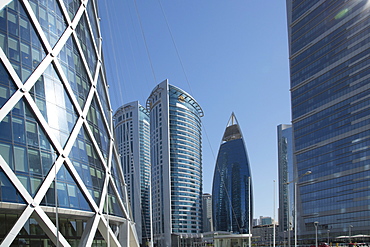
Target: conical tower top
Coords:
[[232, 131]]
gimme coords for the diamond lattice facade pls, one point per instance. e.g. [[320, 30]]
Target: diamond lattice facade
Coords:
[[61, 182]]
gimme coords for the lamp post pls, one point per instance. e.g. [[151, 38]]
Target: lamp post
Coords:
[[328, 237], [295, 204], [316, 223], [249, 213], [274, 214], [349, 235]]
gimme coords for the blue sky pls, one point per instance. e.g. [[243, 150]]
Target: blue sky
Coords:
[[231, 56]]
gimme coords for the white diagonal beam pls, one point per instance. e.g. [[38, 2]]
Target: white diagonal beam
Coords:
[[49, 228], [88, 235], [8, 240], [107, 233]]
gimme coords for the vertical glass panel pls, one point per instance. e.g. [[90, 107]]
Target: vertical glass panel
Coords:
[[34, 161], [85, 159], [6, 151], [35, 184], [47, 160], [97, 126], [7, 87], [32, 135], [102, 93], [20, 159], [92, 19], [19, 108], [5, 129], [25, 181], [84, 36], [49, 199], [117, 178], [75, 71], [63, 200]]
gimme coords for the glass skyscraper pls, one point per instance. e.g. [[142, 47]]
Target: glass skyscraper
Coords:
[[61, 183], [132, 128], [176, 149], [285, 174], [232, 189], [330, 87]]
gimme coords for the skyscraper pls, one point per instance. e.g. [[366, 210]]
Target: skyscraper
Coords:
[[207, 212], [285, 174], [232, 189], [61, 182], [176, 149], [132, 130], [329, 60]]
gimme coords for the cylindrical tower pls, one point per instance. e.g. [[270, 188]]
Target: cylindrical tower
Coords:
[[176, 163]]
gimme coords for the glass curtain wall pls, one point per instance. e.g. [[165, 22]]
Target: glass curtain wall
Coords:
[[60, 179]]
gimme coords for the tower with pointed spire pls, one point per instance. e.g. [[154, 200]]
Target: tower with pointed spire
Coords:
[[232, 190]]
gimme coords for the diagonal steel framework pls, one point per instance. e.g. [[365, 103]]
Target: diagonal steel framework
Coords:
[[98, 221]]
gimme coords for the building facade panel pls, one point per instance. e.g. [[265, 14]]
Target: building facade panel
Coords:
[[329, 50]]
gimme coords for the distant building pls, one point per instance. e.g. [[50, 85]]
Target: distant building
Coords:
[[329, 53], [176, 149], [132, 129], [232, 189], [263, 235], [207, 212], [285, 173], [61, 180], [266, 220]]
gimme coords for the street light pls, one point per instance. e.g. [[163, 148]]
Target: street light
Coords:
[[295, 206], [316, 223], [328, 237], [349, 235]]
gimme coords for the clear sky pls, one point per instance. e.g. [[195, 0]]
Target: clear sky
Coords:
[[230, 55]]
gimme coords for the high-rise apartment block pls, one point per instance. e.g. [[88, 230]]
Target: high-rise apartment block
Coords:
[[132, 129], [175, 135], [329, 45], [232, 190], [61, 182], [285, 174]]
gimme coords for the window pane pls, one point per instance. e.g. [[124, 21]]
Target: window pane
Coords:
[[34, 161], [20, 159], [35, 183], [6, 153]]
